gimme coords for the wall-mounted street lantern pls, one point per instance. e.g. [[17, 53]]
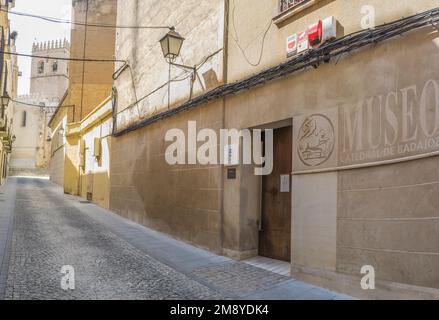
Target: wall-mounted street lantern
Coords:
[[13, 139], [171, 46], [4, 100]]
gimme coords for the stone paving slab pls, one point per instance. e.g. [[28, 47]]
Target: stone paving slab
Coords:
[[238, 279]]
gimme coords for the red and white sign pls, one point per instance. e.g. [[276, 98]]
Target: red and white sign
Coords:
[[315, 33], [292, 45], [302, 41]]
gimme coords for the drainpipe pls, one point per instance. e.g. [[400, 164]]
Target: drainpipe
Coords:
[[225, 80]]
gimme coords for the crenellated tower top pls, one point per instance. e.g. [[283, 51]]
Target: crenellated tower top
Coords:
[[50, 45]]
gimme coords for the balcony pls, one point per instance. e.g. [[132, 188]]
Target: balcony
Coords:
[[288, 8]]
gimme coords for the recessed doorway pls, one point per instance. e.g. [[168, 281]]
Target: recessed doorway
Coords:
[[275, 231]]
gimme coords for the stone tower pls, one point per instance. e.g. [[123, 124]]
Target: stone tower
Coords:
[[48, 84], [50, 78]]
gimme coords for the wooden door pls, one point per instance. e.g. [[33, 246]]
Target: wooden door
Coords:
[[275, 234]]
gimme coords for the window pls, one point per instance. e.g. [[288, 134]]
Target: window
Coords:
[[288, 4], [55, 66], [289, 8], [40, 67], [24, 119]]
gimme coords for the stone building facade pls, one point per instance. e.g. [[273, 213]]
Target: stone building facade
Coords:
[[8, 88], [354, 124], [48, 83]]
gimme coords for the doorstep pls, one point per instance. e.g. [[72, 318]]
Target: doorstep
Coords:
[[276, 266]]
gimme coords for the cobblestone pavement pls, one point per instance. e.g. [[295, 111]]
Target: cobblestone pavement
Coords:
[[114, 258], [49, 234]]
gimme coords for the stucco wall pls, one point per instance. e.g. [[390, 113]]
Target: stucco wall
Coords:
[[358, 220], [58, 147], [95, 177], [56, 168], [201, 23], [388, 218], [24, 155], [196, 203], [182, 200], [249, 19], [91, 82]]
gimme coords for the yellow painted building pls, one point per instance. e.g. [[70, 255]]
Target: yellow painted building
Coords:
[[8, 88], [58, 125], [93, 135], [85, 110]]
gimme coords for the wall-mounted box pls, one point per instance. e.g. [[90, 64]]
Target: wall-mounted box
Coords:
[[97, 152], [315, 33], [82, 149], [292, 45], [329, 29], [302, 41]]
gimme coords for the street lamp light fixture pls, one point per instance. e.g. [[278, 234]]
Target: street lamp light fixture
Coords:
[[4, 100], [171, 45]]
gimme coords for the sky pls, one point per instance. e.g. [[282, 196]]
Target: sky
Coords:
[[32, 30]]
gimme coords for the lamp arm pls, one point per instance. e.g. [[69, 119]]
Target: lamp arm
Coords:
[[183, 66]]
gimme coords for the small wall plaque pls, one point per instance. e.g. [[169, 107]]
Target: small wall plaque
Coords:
[[231, 174], [285, 183]]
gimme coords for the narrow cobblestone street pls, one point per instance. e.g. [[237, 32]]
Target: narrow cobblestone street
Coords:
[[42, 230]]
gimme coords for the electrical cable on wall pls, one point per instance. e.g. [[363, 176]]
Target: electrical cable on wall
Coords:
[[40, 105], [84, 24], [117, 74], [235, 38], [61, 58]]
